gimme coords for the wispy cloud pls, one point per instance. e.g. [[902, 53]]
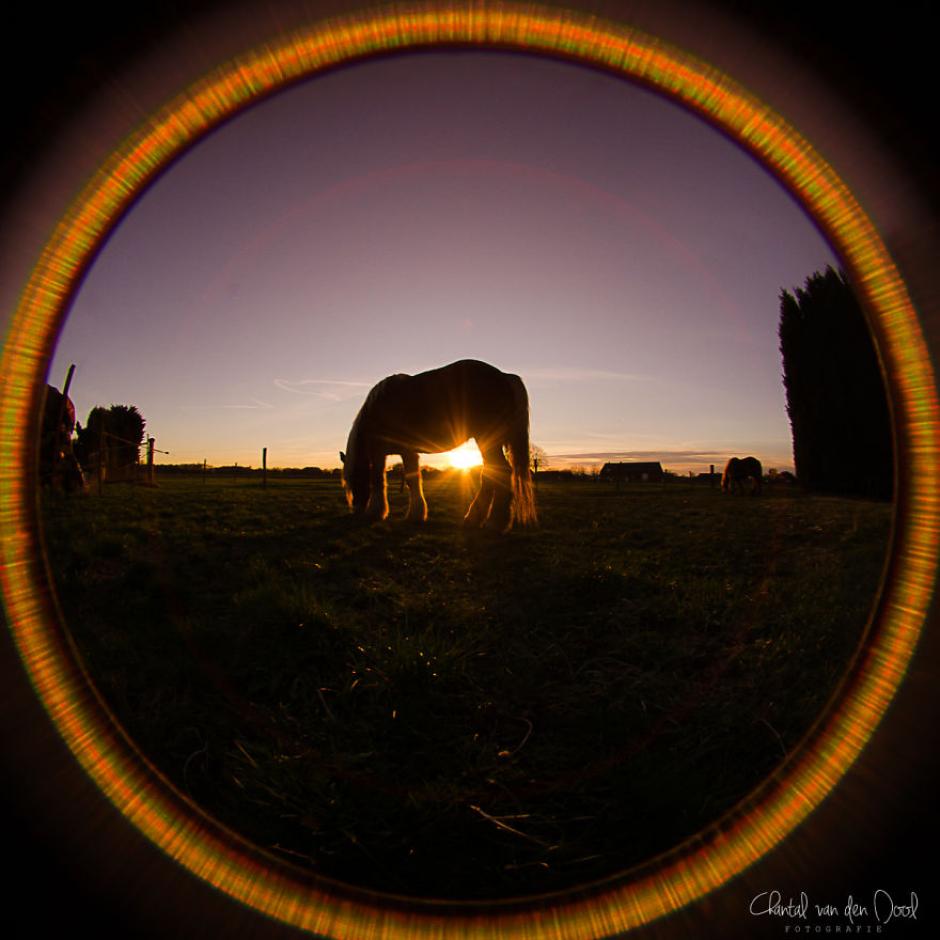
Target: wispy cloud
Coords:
[[698, 455], [254, 405], [773, 454], [330, 389], [575, 374]]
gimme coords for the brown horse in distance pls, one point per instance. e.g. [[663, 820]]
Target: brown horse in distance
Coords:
[[740, 470], [436, 411]]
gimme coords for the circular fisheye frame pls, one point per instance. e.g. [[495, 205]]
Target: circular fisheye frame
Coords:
[[671, 881]]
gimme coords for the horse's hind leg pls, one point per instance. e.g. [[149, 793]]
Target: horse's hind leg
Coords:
[[417, 505], [496, 468]]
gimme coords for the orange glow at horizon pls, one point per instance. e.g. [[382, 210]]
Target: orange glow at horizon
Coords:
[[465, 457]]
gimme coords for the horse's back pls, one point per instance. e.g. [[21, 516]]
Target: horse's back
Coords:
[[467, 385], [463, 372], [441, 408], [741, 467], [751, 466]]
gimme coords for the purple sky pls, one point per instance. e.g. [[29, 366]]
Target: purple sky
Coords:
[[619, 254]]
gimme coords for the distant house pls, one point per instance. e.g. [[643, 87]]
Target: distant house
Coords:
[[651, 472]]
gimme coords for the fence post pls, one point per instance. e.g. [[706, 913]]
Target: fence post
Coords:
[[264, 467], [62, 408], [150, 443], [203, 469], [100, 458]]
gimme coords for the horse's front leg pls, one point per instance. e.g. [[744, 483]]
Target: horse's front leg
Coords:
[[377, 507], [480, 507], [417, 505]]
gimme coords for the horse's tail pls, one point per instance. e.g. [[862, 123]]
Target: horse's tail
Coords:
[[523, 492], [757, 473]]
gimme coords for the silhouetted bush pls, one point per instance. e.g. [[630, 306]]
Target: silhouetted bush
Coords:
[[111, 436]]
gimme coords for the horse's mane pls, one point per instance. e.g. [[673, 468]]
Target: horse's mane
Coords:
[[379, 391], [361, 422]]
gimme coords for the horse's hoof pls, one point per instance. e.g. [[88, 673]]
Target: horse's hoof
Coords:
[[497, 528]]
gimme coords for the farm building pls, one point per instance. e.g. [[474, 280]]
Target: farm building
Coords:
[[651, 472]]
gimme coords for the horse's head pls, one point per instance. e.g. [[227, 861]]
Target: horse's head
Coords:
[[730, 475], [355, 479]]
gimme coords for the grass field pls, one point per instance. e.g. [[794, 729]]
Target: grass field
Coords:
[[433, 711]]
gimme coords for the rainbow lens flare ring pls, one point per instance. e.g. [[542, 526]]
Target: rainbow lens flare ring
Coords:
[[689, 872]]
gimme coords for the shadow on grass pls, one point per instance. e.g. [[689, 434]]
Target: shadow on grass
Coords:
[[437, 711]]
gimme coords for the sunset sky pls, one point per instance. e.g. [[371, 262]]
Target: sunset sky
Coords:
[[618, 253]]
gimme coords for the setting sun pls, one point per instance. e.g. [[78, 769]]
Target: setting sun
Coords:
[[466, 456]]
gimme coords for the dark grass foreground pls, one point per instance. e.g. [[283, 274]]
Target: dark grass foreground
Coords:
[[446, 713]]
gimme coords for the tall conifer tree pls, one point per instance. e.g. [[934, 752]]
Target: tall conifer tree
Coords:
[[836, 398]]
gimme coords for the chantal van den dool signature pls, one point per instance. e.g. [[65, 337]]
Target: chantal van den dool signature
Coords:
[[883, 907]]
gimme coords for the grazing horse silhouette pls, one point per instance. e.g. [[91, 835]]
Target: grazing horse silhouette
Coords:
[[436, 411], [738, 471], [58, 467]]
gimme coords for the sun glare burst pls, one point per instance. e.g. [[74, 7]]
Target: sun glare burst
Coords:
[[465, 457]]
